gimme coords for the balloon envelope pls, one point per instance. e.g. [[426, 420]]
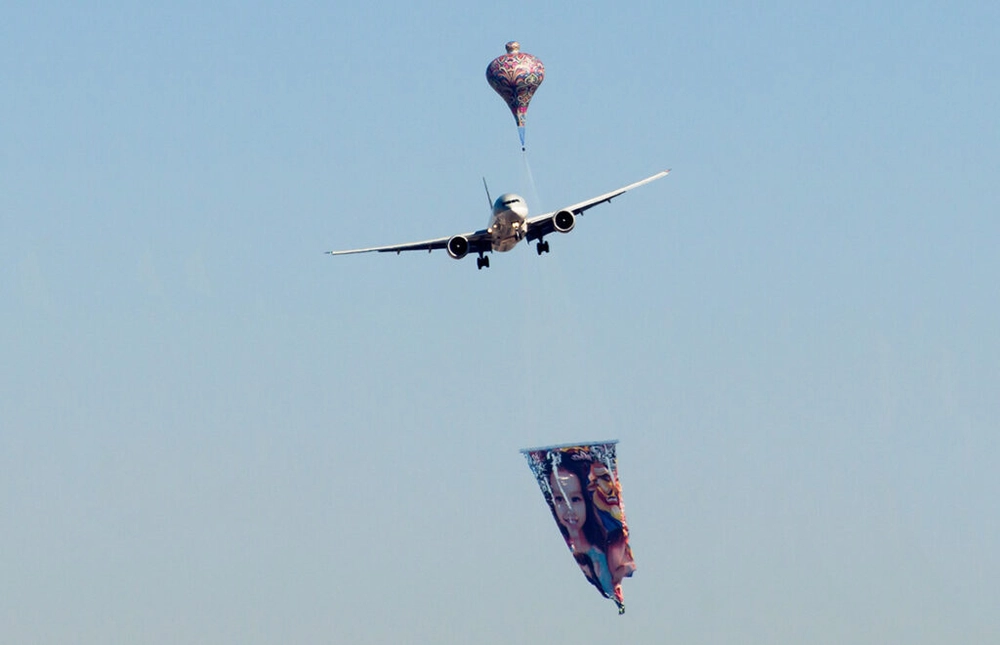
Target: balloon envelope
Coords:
[[515, 76]]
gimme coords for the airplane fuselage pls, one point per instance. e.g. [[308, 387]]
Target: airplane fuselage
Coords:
[[506, 227]]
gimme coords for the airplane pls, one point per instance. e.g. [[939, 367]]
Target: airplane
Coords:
[[508, 224]]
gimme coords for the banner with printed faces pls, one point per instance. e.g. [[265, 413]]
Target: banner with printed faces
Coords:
[[580, 485]]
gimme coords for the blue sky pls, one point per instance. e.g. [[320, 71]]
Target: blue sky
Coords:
[[211, 432]]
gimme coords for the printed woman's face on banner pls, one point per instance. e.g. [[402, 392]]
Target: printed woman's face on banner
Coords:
[[567, 498]]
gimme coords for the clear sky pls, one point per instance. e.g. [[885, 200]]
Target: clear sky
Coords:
[[211, 432]]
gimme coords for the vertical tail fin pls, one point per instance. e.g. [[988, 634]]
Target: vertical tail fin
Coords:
[[489, 200]]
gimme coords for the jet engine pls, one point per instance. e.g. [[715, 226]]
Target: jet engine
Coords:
[[564, 221], [458, 247]]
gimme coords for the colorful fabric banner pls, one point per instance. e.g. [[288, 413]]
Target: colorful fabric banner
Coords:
[[580, 484]]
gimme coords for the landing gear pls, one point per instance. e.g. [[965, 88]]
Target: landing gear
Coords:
[[542, 247], [482, 261]]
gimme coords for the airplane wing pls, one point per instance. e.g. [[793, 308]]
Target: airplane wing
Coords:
[[478, 241], [542, 225]]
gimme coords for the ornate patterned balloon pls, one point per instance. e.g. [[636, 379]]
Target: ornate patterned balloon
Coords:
[[515, 76]]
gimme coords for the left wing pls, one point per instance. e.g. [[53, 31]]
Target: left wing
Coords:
[[478, 241], [541, 225]]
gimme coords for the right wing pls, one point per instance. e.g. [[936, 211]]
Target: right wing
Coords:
[[541, 225], [479, 242]]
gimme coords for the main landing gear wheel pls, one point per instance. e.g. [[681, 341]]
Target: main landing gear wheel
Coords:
[[542, 247], [482, 261]]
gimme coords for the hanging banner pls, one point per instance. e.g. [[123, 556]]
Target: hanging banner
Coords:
[[580, 484]]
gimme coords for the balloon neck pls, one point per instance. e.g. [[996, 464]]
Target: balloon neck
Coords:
[[520, 133]]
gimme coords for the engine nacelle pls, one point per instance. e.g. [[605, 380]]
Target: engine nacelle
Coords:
[[458, 247], [564, 221]]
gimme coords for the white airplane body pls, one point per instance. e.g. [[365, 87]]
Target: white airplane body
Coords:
[[508, 224]]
